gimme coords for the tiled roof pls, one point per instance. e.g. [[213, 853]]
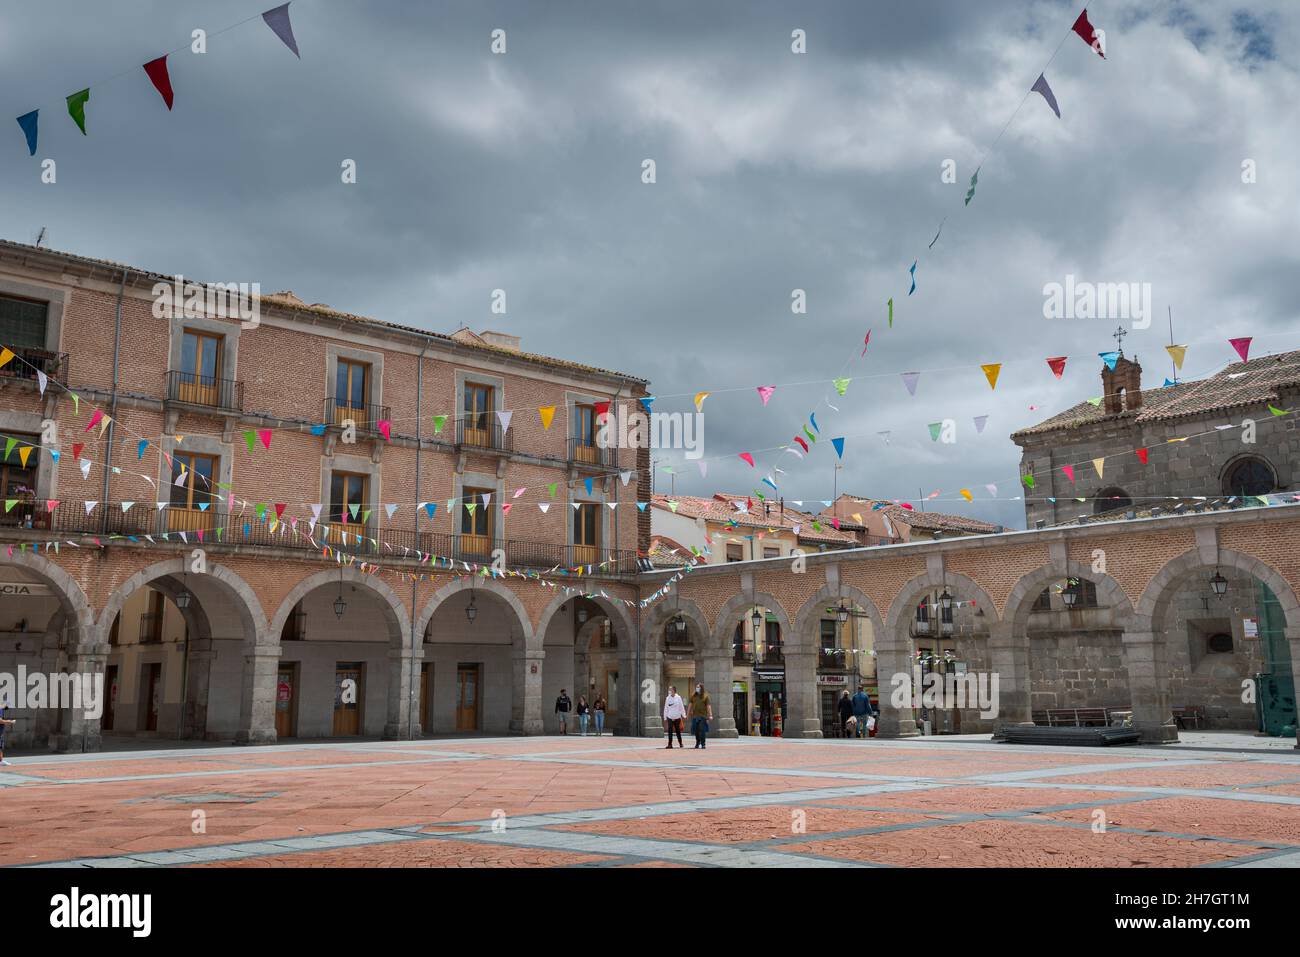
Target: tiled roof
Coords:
[[1240, 385], [287, 301], [928, 521], [720, 509], [666, 553]]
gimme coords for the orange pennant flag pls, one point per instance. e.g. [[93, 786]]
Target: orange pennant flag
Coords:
[[991, 373], [5, 356], [547, 413]]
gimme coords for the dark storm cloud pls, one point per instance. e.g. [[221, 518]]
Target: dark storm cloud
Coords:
[[775, 172]]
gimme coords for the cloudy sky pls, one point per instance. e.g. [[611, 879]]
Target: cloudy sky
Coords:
[[775, 172]]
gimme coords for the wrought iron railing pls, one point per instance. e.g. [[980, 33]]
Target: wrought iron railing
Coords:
[[27, 362], [483, 432], [190, 388], [582, 452], [364, 416]]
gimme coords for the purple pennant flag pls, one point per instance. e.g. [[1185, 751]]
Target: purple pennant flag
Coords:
[[909, 380], [980, 422], [1040, 86], [278, 21]]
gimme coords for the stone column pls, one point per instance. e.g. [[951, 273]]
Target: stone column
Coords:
[[652, 711], [198, 681], [44, 726], [803, 714], [81, 730], [894, 660], [1009, 660], [716, 677], [403, 694], [526, 704], [1293, 641], [1148, 680], [257, 704]]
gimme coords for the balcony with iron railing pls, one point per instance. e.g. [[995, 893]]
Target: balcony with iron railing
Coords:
[[483, 431], [364, 416], [835, 659], [219, 528], [582, 452], [28, 361], [150, 628], [192, 389], [742, 652]]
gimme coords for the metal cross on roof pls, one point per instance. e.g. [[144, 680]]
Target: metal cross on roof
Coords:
[[1118, 335]]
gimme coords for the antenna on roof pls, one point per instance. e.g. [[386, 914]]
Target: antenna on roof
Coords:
[[1171, 342], [42, 234]]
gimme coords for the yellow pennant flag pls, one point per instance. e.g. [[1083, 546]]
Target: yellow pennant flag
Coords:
[[1099, 465], [965, 493], [699, 400], [991, 373], [23, 453], [1177, 353], [5, 356], [104, 423], [547, 413], [857, 517]]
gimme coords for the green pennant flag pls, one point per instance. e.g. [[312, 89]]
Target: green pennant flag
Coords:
[[249, 439], [552, 487], [469, 507], [77, 108], [1028, 480], [1274, 409], [9, 446], [1095, 402], [438, 422], [935, 429], [365, 516], [261, 513], [353, 509], [841, 386], [973, 180], [10, 503], [808, 432], [891, 312]]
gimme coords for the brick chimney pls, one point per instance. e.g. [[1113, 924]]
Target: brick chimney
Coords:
[[1121, 386]]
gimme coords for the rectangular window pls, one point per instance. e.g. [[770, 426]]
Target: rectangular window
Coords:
[[23, 322], [586, 534], [735, 552], [351, 389], [348, 498], [771, 551], [1044, 601], [200, 372], [478, 406], [584, 424], [477, 523]]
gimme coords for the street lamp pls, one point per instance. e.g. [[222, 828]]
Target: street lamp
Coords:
[[183, 599], [1070, 594], [471, 611], [842, 612], [945, 600], [340, 606], [1219, 584]]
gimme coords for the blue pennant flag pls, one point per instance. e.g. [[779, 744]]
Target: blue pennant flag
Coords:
[[28, 122]]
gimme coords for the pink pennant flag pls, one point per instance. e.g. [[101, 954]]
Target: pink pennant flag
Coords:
[[386, 429], [866, 342], [1142, 454], [1057, 365], [51, 504], [519, 492], [748, 458], [505, 509], [94, 419], [1242, 346], [265, 434], [1069, 471], [765, 392], [993, 489]]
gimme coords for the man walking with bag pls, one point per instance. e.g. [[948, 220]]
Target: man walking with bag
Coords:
[[701, 715]]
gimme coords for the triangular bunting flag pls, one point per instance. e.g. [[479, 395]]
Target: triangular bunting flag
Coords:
[[546, 413], [1057, 365], [157, 72], [765, 392], [910, 380], [278, 20], [28, 123], [1177, 353], [77, 109], [839, 448], [1040, 86], [1242, 346], [991, 371]]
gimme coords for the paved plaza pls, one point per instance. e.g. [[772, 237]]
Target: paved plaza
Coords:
[[628, 802]]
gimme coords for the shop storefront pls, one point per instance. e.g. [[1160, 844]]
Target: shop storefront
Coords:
[[769, 690]]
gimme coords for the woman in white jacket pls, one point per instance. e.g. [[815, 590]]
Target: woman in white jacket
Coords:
[[674, 713]]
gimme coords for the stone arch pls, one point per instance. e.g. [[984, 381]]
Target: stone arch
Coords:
[[1159, 591], [1031, 585], [662, 612], [232, 585], [72, 600], [905, 601], [1231, 466], [397, 613], [730, 613], [478, 584], [830, 594], [615, 610]]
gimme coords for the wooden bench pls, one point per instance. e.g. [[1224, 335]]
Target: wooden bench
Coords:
[[1189, 716], [1076, 718]]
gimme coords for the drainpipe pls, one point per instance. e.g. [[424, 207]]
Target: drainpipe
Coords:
[[112, 424], [419, 445]]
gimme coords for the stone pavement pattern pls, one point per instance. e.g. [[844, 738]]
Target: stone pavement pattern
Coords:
[[628, 802]]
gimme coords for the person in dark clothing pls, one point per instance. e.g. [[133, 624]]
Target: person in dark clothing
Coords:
[[845, 708], [863, 709], [562, 707], [584, 713]]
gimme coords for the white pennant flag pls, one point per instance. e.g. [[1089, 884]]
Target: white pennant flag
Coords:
[[576, 505], [544, 506], [90, 507], [85, 468], [180, 479], [504, 419], [315, 512], [487, 497], [42, 380], [624, 477], [612, 505], [390, 509], [126, 507], [162, 505]]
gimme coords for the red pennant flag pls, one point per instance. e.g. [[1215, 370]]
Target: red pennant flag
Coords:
[[76, 449], [748, 458], [1142, 454], [801, 442], [1088, 32], [265, 436], [1069, 471], [279, 510], [157, 70], [1242, 346], [99, 414], [386, 429], [1057, 365], [602, 410]]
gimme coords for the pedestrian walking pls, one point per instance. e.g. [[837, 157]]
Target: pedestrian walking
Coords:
[[599, 709], [845, 709], [584, 713], [674, 712], [562, 707], [701, 715], [4, 723], [862, 710]]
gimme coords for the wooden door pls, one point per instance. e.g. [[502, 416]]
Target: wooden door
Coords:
[[351, 390], [110, 703], [200, 369], [478, 415], [152, 695], [348, 693], [467, 697], [586, 534], [286, 704], [426, 674]]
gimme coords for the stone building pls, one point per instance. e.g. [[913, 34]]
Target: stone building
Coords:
[[1241, 448]]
